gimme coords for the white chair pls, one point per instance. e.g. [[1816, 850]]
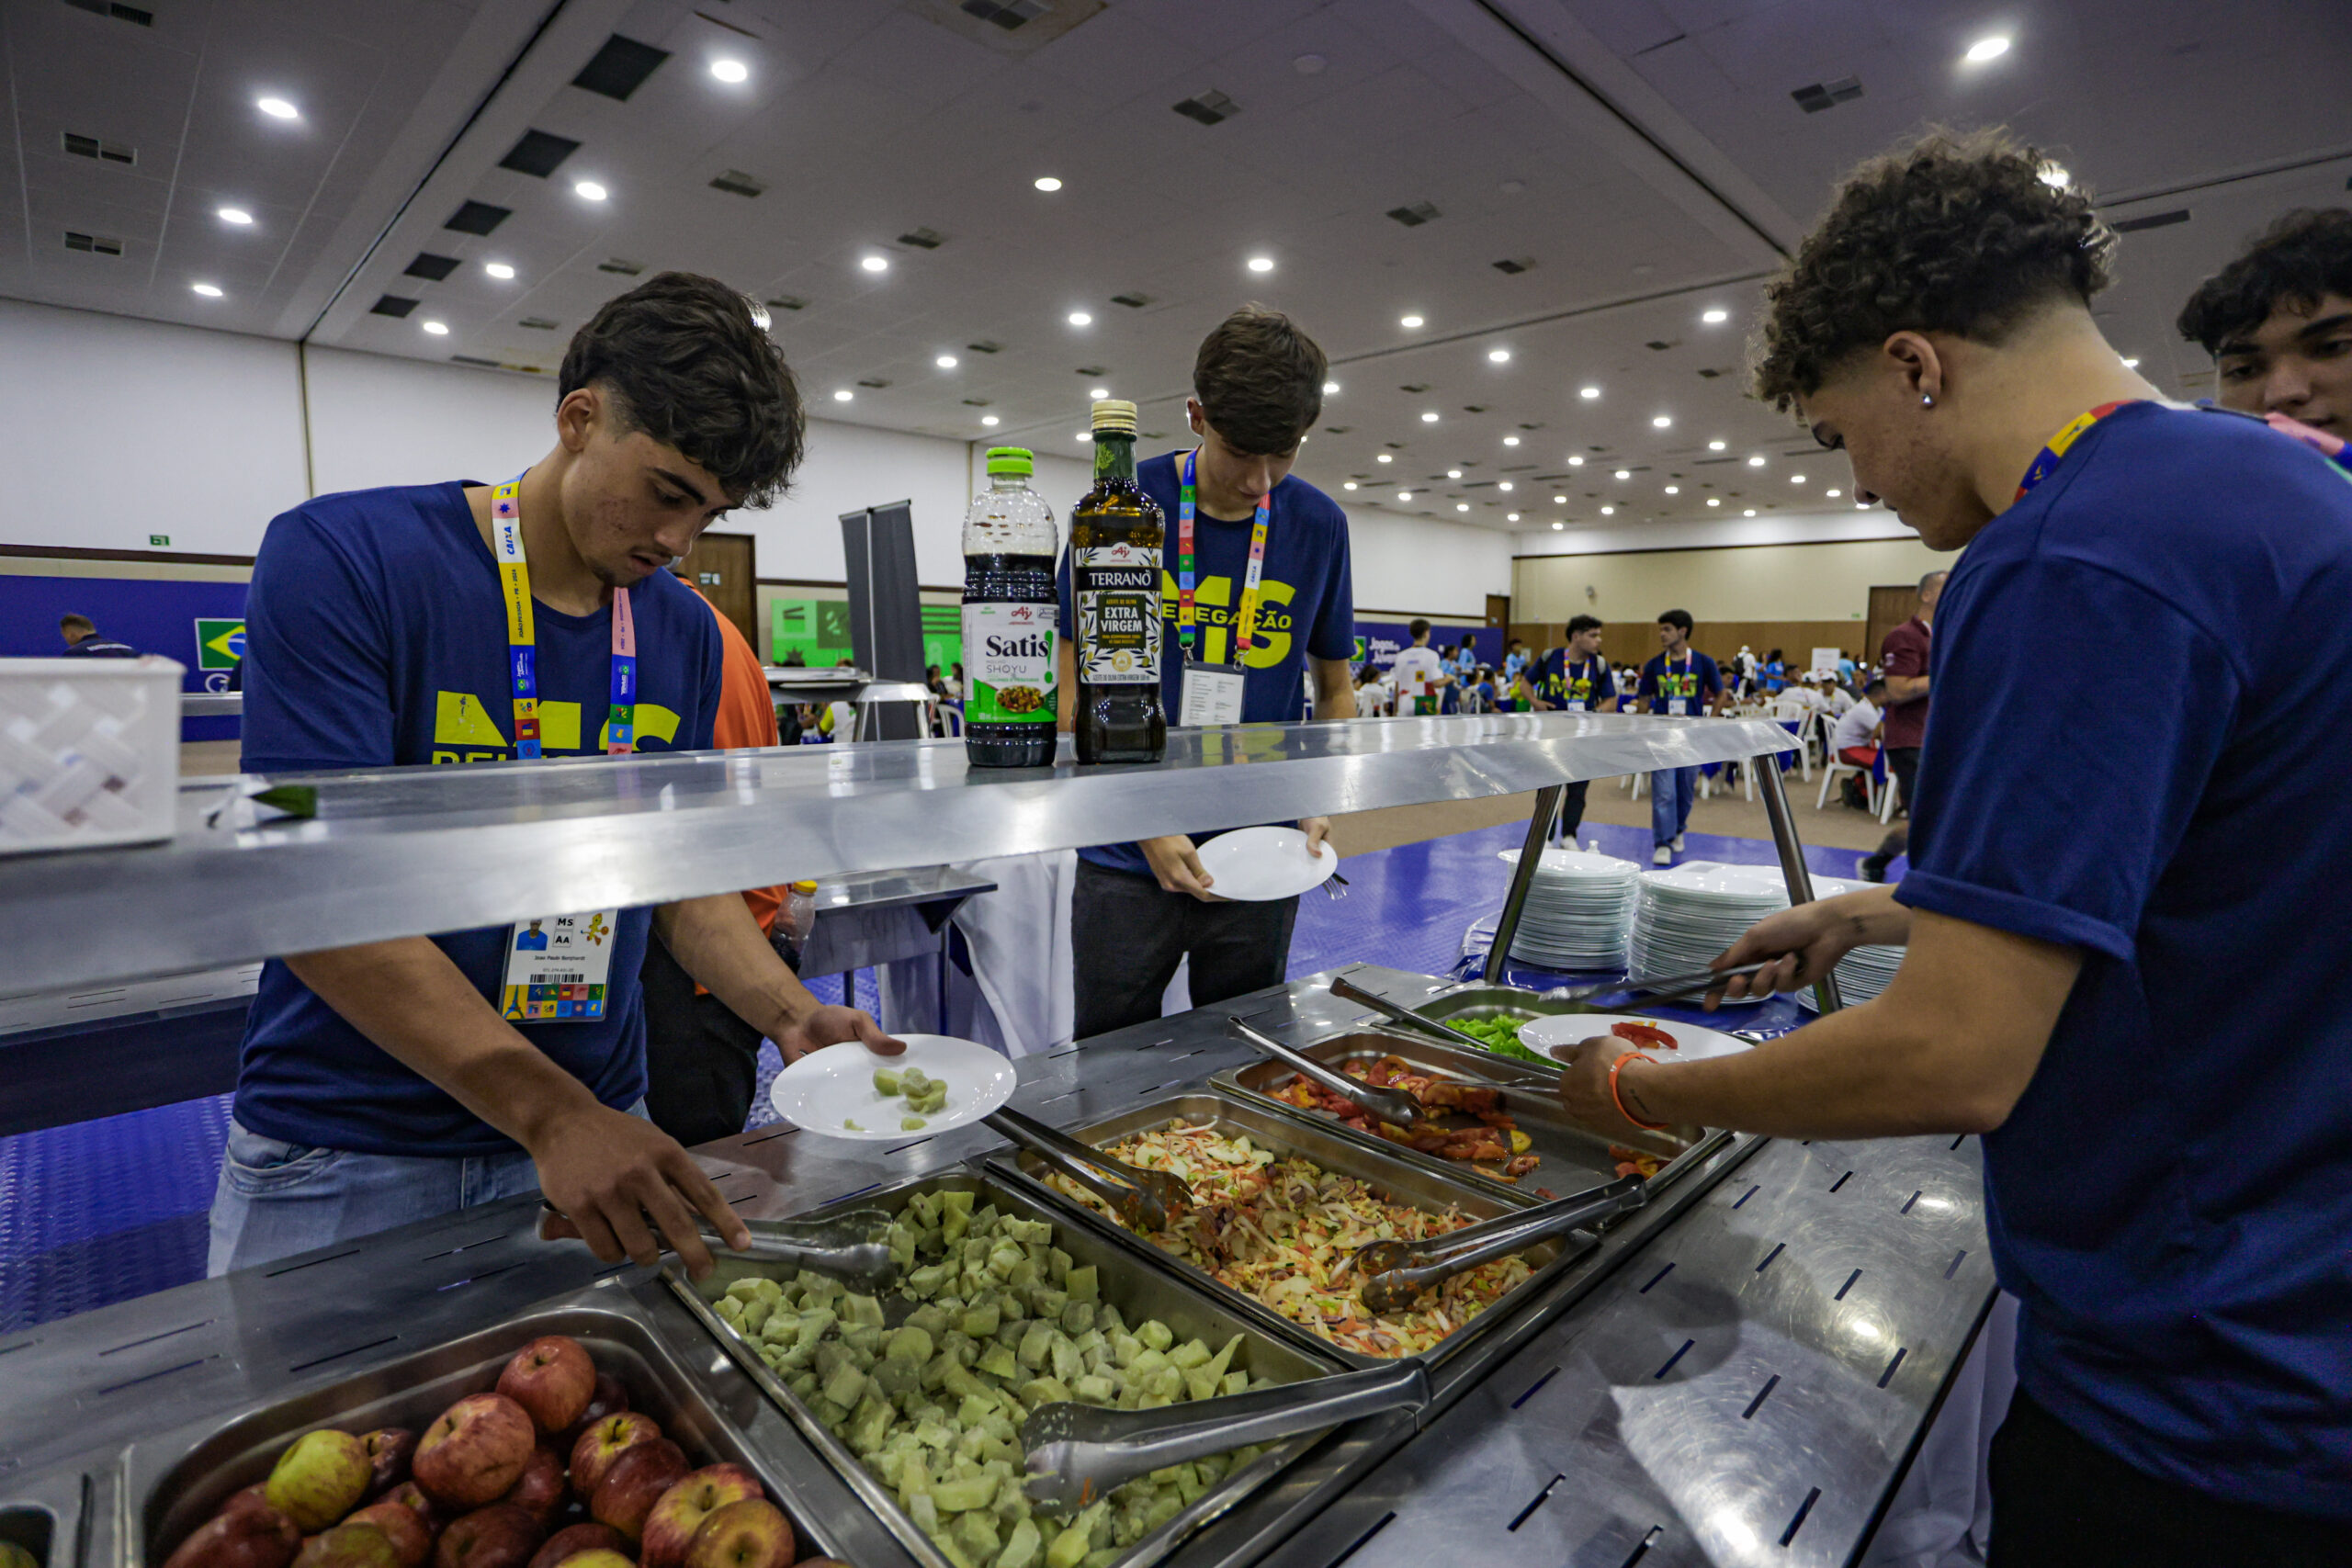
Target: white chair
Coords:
[[951, 719], [1886, 801], [1836, 770]]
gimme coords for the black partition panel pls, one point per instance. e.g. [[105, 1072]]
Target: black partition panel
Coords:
[[885, 607]]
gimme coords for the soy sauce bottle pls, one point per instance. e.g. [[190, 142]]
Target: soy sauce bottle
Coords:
[[1010, 604], [1115, 537]]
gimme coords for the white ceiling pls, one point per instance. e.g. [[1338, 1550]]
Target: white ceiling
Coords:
[[1644, 157]]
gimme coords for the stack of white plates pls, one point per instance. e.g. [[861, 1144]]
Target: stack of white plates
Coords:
[[1684, 917], [1861, 974], [1580, 908]]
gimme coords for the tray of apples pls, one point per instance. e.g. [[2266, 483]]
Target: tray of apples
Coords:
[[558, 1463]]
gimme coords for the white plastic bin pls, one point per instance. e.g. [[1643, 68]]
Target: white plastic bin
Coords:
[[89, 751]]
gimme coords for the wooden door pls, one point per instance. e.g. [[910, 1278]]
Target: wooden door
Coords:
[[1890, 607], [1498, 611], [725, 567]]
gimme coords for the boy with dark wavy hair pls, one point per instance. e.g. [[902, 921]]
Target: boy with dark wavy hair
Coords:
[[2167, 1151], [462, 623], [2277, 321]]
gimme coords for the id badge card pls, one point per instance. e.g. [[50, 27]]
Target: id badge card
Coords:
[[558, 967], [1575, 706], [1679, 707], [1212, 695]]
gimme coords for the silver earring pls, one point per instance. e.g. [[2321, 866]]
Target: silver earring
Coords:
[[1926, 401]]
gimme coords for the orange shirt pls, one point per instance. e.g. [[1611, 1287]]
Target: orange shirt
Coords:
[[746, 716]]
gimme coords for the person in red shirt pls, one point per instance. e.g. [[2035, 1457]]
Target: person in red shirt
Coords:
[[1903, 660], [702, 1062]]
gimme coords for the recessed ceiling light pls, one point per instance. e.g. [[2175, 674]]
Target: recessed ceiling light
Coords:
[[1098, 393], [236, 215], [1861, 506], [588, 190], [1588, 393], [730, 70], [989, 420], [1505, 485], [499, 270], [1461, 506], [2055, 175], [1576, 462], [1559, 501], [2130, 365], [277, 108], [1987, 49], [876, 264], [1404, 495], [1714, 446], [1714, 318], [945, 362], [1349, 485], [1557, 525], [1086, 435], [842, 394], [1329, 387], [1499, 356], [1385, 457], [1429, 416], [1714, 501], [1674, 489], [1833, 495], [1510, 516], [1261, 263], [1756, 462], [1748, 513], [1409, 323], [210, 290], [1609, 512], [438, 329], [1624, 473], [1511, 440], [1661, 421], [1453, 473], [1080, 319], [1796, 478], [1047, 182]]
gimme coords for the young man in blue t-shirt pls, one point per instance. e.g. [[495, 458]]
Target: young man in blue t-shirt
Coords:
[[2167, 1149], [399, 1080], [2277, 321], [1574, 678], [1683, 683], [1139, 909]]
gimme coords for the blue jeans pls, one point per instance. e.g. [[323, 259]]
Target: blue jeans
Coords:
[[276, 1199], [1671, 793]]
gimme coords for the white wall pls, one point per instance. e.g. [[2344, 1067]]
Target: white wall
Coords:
[[379, 420], [1796, 528], [1412, 565]]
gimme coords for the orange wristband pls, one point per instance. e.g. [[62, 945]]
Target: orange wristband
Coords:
[[1613, 1069]]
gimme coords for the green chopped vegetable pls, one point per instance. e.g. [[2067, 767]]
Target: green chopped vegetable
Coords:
[[852, 1125], [912, 1124], [1499, 1033], [886, 1080]]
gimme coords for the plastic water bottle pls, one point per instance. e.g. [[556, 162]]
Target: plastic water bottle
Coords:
[[1009, 702]]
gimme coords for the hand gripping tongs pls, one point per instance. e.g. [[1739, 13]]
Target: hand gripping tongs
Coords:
[[1394, 1273], [1149, 1201], [1392, 1106], [1080, 1452]]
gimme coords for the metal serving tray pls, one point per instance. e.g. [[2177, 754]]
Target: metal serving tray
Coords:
[[1415, 1182], [170, 1484], [1132, 1284], [1573, 1156]]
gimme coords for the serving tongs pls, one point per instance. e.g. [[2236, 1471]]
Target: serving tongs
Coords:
[[1078, 1453], [1349, 991], [1393, 1106], [1664, 989], [841, 1247], [1149, 1201], [1394, 1273]]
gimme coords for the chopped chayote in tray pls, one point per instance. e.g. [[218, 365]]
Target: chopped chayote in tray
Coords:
[[1006, 1322]]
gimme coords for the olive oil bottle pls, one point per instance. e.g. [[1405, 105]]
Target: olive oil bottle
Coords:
[[1116, 532]]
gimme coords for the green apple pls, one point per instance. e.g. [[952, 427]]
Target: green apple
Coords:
[[320, 1479]]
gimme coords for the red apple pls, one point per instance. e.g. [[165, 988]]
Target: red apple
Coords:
[[598, 1557], [603, 1443], [349, 1545], [540, 1491], [610, 1399], [389, 1450], [409, 1496], [474, 1451], [681, 1509], [572, 1539], [500, 1536], [552, 1378], [634, 1482], [752, 1534], [320, 1478], [244, 1534], [403, 1526]]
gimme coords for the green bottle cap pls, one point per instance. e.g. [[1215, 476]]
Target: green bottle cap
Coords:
[[1012, 461]]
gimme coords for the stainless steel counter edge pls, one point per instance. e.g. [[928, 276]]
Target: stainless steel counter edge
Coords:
[[405, 851]]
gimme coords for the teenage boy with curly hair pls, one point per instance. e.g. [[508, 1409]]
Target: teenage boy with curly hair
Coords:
[[2277, 321], [2167, 1151]]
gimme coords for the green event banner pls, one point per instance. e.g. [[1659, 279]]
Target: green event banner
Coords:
[[818, 629]]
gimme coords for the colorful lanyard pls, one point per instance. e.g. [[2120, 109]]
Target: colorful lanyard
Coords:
[[1186, 614], [2044, 466], [522, 642], [1587, 672], [1669, 685]]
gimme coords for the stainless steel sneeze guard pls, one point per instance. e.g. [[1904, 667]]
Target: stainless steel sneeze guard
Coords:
[[1738, 1372], [406, 852]]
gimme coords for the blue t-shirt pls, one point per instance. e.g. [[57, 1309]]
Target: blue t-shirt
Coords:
[[1557, 682], [1306, 604], [1691, 680], [375, 636], [2172, 1197]]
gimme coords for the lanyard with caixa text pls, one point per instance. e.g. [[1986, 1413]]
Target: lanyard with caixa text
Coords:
[[558, 966], [1212, 693]]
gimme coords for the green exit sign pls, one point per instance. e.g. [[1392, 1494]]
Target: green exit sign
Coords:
[[159, 540]]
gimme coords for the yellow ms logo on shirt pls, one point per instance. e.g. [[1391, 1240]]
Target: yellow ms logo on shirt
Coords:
[[1214, 603], [462, 724]]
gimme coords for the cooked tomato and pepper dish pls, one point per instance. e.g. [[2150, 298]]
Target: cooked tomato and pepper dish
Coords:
[[1496, 1140]]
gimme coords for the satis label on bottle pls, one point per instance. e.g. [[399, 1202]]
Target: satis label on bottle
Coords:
[[1009, 663], [1117, 589]]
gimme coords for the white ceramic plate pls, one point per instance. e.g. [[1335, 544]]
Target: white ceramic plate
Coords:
[[1256, 864], [1691, 1042], [826, 1089]]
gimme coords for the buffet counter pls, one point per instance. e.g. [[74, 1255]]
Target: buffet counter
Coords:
[[1738, 1370]]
